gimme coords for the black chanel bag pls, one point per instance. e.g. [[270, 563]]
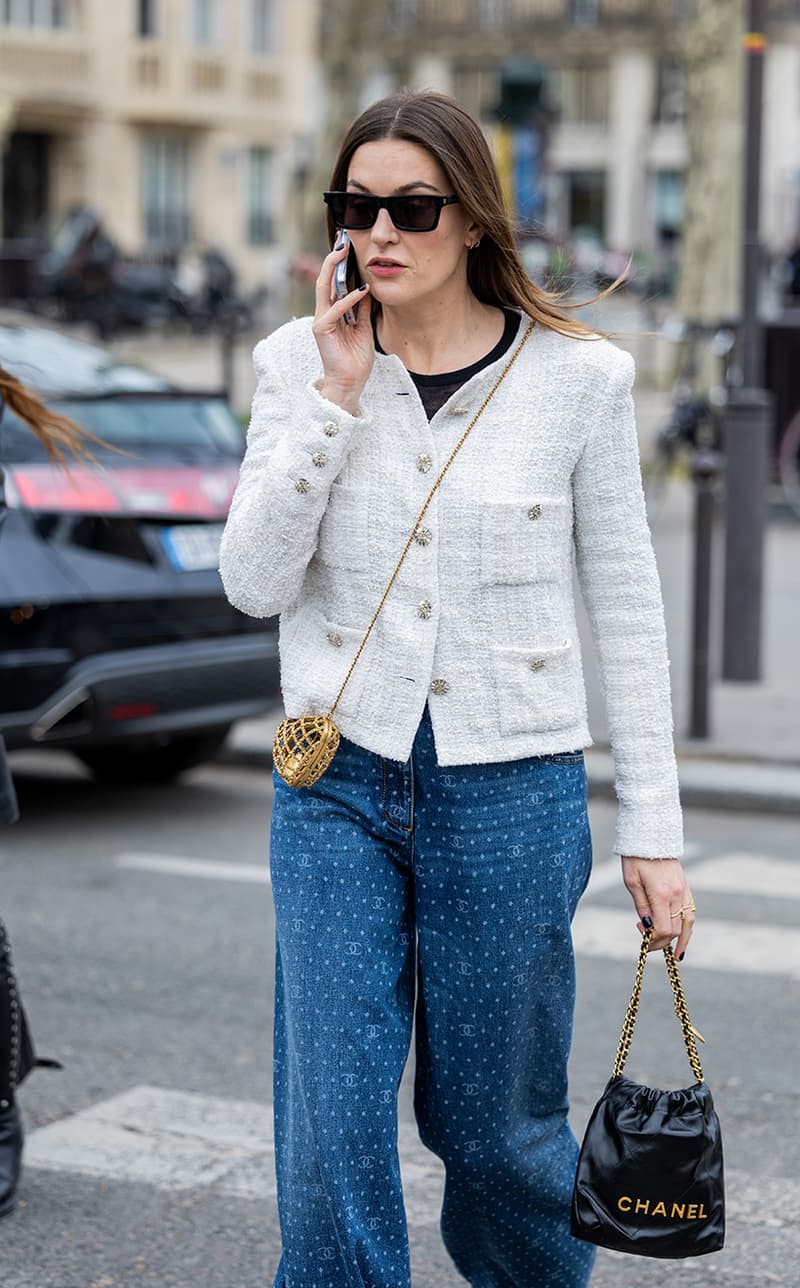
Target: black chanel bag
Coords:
[[650, 1178]]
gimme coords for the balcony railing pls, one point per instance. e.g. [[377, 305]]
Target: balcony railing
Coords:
[[504, 15], [207, 75], [263, 85], [41, 66]]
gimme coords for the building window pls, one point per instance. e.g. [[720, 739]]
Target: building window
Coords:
[[206, 22], [55, 15], [586, 202], [670, 107], [263, 34], [582, 94], [491, 13], [260, 197], [403, 14], [585, 11], [670, 203], [146, 18], [166, 208]]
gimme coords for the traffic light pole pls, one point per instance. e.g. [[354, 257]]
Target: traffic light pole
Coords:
[[748, 423]]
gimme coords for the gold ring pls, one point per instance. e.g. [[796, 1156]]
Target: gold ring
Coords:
[[687, 907]]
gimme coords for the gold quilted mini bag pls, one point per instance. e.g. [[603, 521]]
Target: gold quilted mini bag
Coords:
[[304, 747]]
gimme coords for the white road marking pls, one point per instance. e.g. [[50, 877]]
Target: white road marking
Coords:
[[605, 875], [608, 874], [174, 865], [756, 874], [735, 946], [178, 1140], [171, 1139]]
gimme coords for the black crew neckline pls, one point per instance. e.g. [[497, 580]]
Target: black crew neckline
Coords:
[[461, 376]]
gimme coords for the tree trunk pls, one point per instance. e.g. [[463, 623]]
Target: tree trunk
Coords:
[[714, 63], [345, 31]]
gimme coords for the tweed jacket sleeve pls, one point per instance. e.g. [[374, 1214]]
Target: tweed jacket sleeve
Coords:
[[295, 449], [621, 590]]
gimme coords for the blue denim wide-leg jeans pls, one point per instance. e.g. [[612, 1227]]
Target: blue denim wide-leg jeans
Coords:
[[460, 882]]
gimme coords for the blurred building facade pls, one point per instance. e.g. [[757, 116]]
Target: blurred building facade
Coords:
[[193, 121], [612, 72], [180, 121]]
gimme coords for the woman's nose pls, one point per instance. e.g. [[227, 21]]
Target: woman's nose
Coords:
[[383, 229]]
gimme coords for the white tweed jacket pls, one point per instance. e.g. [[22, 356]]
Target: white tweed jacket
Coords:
[[481, 620]]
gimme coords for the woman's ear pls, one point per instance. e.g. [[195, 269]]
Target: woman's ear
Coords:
[[473, 237]]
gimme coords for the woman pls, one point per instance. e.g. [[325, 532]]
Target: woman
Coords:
[[454, 812], [17, 1056]]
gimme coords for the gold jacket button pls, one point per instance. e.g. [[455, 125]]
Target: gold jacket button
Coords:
[[302, 486], [439, 686], [424, 463], [534, 512], [424, 609], [331, 429], [423, 536], [335, 639], [536, 663], [319, 459]]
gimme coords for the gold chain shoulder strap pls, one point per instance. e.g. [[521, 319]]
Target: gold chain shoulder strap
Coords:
[[462, 440], [681, 1010]]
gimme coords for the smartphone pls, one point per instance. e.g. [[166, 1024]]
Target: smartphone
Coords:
[[340, 276]]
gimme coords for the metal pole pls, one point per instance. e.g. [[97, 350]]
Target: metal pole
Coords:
[[705, 466], [748, 427], [749, 415], [227, 337]]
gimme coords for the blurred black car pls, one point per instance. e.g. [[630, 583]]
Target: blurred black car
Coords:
[[116, 640]]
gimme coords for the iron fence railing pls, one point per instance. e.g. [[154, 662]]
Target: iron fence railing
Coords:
[[477, 15]]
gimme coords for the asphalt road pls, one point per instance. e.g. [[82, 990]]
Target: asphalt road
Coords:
[[142, 928]]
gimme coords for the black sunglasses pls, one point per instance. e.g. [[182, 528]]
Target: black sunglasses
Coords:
[[418, 213]]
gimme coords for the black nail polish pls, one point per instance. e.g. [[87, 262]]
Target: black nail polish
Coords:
[[363, 286], [681, 956], [647, 922]]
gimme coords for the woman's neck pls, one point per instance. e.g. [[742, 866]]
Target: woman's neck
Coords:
[[434, 337]]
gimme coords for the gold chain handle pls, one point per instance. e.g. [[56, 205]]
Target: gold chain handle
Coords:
[[681, 1010], [462, 440]]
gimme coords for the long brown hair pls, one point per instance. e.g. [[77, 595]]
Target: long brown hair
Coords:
[[445, 129], [57, 433]]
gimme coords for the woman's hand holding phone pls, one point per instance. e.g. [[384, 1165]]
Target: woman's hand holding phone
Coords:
[[347, 349]]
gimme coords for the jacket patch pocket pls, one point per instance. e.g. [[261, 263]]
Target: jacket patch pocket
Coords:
[[344, 530], [524, 541], [321, 654], [537, 688]]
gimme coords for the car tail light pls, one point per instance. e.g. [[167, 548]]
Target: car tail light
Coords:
[[133, 711], [184, 491]]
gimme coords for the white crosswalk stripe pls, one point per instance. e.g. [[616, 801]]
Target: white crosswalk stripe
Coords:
[[753, 874], [606, 874], [209, 870], [599, 931], [719, 942], [736, 946], [179, 1140]]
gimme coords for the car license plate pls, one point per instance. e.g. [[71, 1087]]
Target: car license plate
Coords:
[[192, 546]]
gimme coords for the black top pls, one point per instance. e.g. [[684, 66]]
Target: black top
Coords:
[[435, 390]]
